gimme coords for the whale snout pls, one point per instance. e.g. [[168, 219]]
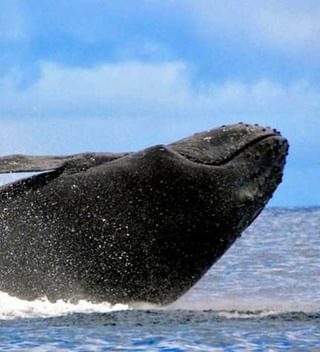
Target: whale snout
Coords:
[[262, 152], [223, 145], [247, 159], [259, 168]]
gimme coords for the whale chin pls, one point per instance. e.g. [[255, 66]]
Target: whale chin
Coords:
[[134, 226]]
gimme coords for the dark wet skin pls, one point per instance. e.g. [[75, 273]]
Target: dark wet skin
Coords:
[[141, 226]]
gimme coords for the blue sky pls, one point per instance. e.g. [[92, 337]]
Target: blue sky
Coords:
[[114, 75]]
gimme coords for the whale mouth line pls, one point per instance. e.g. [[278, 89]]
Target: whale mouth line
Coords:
[[225, 160]]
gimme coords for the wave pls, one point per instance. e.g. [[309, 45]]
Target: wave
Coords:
[[245, 303], [12, 307]]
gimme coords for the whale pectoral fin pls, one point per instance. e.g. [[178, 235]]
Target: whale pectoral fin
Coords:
[[30, 163], [50, 166], [19, 187]]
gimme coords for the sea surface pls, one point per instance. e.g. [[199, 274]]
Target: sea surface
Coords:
[[263, 295]]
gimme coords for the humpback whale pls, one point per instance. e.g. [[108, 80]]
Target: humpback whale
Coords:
[[136, 226]]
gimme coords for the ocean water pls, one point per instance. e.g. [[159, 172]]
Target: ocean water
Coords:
[[263, 295]]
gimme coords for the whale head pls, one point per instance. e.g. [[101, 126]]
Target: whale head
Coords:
[[244, 166]]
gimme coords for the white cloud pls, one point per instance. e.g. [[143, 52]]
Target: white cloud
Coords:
[[135, 89], [112, 89]]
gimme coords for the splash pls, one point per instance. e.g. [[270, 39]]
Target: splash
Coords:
[[12, 307], [244, 307]]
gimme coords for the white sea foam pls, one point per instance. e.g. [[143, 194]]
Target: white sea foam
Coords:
[[12, 307]]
